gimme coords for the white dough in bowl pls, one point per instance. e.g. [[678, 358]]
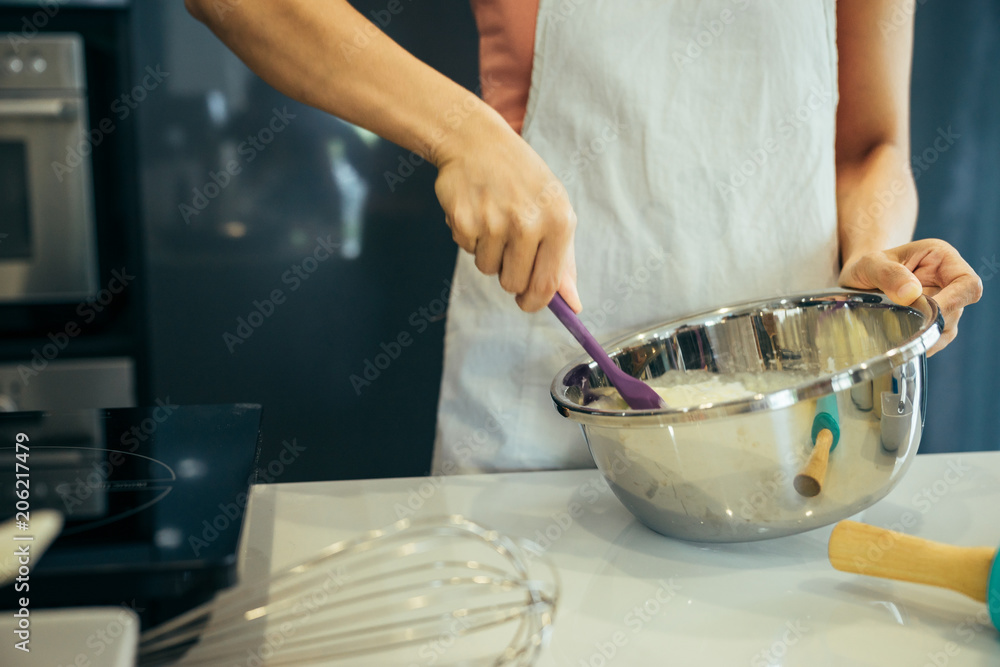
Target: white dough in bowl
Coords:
[[692, 389], [700, 393]]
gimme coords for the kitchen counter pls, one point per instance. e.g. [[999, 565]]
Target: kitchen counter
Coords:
[[633, 597]]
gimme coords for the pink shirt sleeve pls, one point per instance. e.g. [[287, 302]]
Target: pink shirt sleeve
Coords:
[[506, 49]]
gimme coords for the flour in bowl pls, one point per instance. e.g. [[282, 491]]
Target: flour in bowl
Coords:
[[691, 389], [713, 391]]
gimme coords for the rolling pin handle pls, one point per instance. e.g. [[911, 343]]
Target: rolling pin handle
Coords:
[[879, 552]]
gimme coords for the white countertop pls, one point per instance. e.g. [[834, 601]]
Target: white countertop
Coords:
[[762, 603]]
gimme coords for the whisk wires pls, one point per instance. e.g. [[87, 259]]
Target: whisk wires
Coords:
[[407, 590]]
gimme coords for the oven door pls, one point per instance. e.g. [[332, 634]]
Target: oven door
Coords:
[[47, 245]]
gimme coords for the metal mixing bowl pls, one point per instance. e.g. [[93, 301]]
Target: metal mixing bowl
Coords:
[[723, 472]]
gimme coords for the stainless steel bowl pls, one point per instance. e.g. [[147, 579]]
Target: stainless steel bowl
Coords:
[[723, 472]]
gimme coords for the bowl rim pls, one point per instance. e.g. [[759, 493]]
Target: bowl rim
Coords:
[[915, 346]]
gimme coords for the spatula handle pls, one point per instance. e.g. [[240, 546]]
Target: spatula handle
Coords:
[[878, 552], [569, 319], [809, 482]]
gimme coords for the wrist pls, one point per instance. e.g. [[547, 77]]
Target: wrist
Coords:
[[466, 126], [852, 255], [876, 204]]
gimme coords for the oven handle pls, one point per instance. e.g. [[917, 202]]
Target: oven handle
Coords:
[[37, 108]]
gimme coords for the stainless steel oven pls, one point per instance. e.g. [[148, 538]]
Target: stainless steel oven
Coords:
[[47, 242]]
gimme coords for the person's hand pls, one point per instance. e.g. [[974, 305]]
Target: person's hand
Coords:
[[929, 266], [506, 207]]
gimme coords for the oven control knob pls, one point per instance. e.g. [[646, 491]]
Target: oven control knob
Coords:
[[14, 65], [39, 64]]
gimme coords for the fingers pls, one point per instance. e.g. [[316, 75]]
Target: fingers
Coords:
[[519, 258], [514, 215], [959, 288], [947, 336], [951, 321], [952, 299], [567, 285], [546, 277], [936, 265], [461, 232], [950, 281], [533, 257], [893, 279], [549, 270], [878, 271], [490, 245]]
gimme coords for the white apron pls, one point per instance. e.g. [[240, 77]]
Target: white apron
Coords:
[[696, 141]]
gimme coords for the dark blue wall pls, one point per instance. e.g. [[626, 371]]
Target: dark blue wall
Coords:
[[956, 86]]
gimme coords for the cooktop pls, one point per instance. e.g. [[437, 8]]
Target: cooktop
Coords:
[[152, 499]]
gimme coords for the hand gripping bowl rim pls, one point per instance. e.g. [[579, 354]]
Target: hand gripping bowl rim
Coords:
[[913, 347]]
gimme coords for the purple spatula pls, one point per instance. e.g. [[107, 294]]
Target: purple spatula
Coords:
[[636, 393]]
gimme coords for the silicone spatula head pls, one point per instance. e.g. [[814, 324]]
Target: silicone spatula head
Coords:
[[638, 394]]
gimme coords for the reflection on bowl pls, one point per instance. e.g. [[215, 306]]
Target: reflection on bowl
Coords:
[[723, 470]]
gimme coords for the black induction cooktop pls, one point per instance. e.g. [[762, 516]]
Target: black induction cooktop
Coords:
[[153, 501]]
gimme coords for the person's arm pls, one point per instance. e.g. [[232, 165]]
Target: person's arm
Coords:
[[502, 202], [876, 193]]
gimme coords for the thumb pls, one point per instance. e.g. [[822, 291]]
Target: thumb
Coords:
[[881, 272]]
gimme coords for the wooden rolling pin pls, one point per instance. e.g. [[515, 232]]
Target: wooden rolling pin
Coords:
[[879, 552], [825, 436]]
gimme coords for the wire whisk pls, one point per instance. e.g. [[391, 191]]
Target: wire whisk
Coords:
[[441, 590]]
